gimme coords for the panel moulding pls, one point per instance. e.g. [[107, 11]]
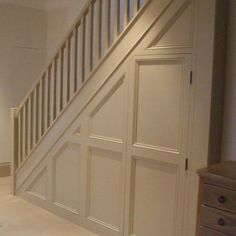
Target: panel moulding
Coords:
[[38, 187], [136, 138], [106, 119], [171, 35], [66, 177], [109, 181], [162, 168]]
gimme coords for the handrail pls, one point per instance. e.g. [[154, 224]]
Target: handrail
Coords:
[[97, 28]]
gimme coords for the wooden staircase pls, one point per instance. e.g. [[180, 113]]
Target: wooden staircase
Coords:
[[111, 134]]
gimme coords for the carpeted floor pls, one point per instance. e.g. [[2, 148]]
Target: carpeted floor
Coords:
[[20, 218]]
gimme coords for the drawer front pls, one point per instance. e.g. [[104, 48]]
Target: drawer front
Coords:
[[208, 232], [219, 197], [218, 220]]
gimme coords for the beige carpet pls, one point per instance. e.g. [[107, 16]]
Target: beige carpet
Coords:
[[20, 218]]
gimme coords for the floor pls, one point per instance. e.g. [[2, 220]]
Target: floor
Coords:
[[20, 218]]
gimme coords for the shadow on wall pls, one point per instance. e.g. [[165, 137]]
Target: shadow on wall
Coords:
[[229, 125]]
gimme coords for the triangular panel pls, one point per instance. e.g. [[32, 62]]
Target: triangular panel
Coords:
[[178, 31], [107, 116], [38, 187], [67, 177], [77, 131]]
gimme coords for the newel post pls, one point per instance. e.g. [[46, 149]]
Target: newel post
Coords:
[[14, 146]]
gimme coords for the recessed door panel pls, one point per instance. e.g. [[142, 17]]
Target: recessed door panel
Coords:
[[67, 177], [154, 198], [159, 101], [104, 188]]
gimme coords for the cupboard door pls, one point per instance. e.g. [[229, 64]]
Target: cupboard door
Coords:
[[158, 131]]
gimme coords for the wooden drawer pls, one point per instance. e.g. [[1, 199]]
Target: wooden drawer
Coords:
[[218, 220], [208, 232], [219, 197]]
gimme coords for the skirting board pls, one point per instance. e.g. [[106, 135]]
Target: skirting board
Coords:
[[5, 169]]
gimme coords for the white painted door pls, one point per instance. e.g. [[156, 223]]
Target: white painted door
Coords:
[[157, 144]]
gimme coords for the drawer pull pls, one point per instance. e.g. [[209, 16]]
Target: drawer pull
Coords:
[[221, 222], [221, 199]]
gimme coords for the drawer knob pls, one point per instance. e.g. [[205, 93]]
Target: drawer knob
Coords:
[[221, 199], [221, 222]]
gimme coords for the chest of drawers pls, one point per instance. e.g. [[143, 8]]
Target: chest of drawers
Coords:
[[217, 200]]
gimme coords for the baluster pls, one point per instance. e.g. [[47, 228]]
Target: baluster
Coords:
[[72, 64], [48, 97], [67, 66], [45, 100], [42, 104], [58, 87], [61, 77], [126, 13], [107, 26], [87, 45], [78, 57], [82, 50], [33, 119], [131, 9], [52, 91], [90, 36], [75, 60], [111, 21], [98, 37], [19, 137], [26, 127], [116, 19], [23, 132], [65, 75], [55, 87], [14, 141], [37, 116], [29, 122], [87, 55], [136, 6]]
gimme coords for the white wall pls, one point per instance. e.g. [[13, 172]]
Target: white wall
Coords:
[[74, 8], [229, 127], [22, 36], [56, 29]]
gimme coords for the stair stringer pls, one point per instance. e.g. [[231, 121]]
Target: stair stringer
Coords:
[[102, 85]]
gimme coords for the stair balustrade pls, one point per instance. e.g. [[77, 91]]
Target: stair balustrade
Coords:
[[96, 31]]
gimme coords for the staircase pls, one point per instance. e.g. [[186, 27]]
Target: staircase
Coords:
[[94, 35], [103, 137]]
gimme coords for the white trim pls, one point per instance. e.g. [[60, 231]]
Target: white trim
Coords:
[[5, 169], [45, 5]]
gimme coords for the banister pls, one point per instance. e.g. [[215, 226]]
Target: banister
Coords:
[[70, 30], [69, 70]]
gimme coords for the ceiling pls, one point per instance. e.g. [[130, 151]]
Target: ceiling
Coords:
[[38, 4]]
